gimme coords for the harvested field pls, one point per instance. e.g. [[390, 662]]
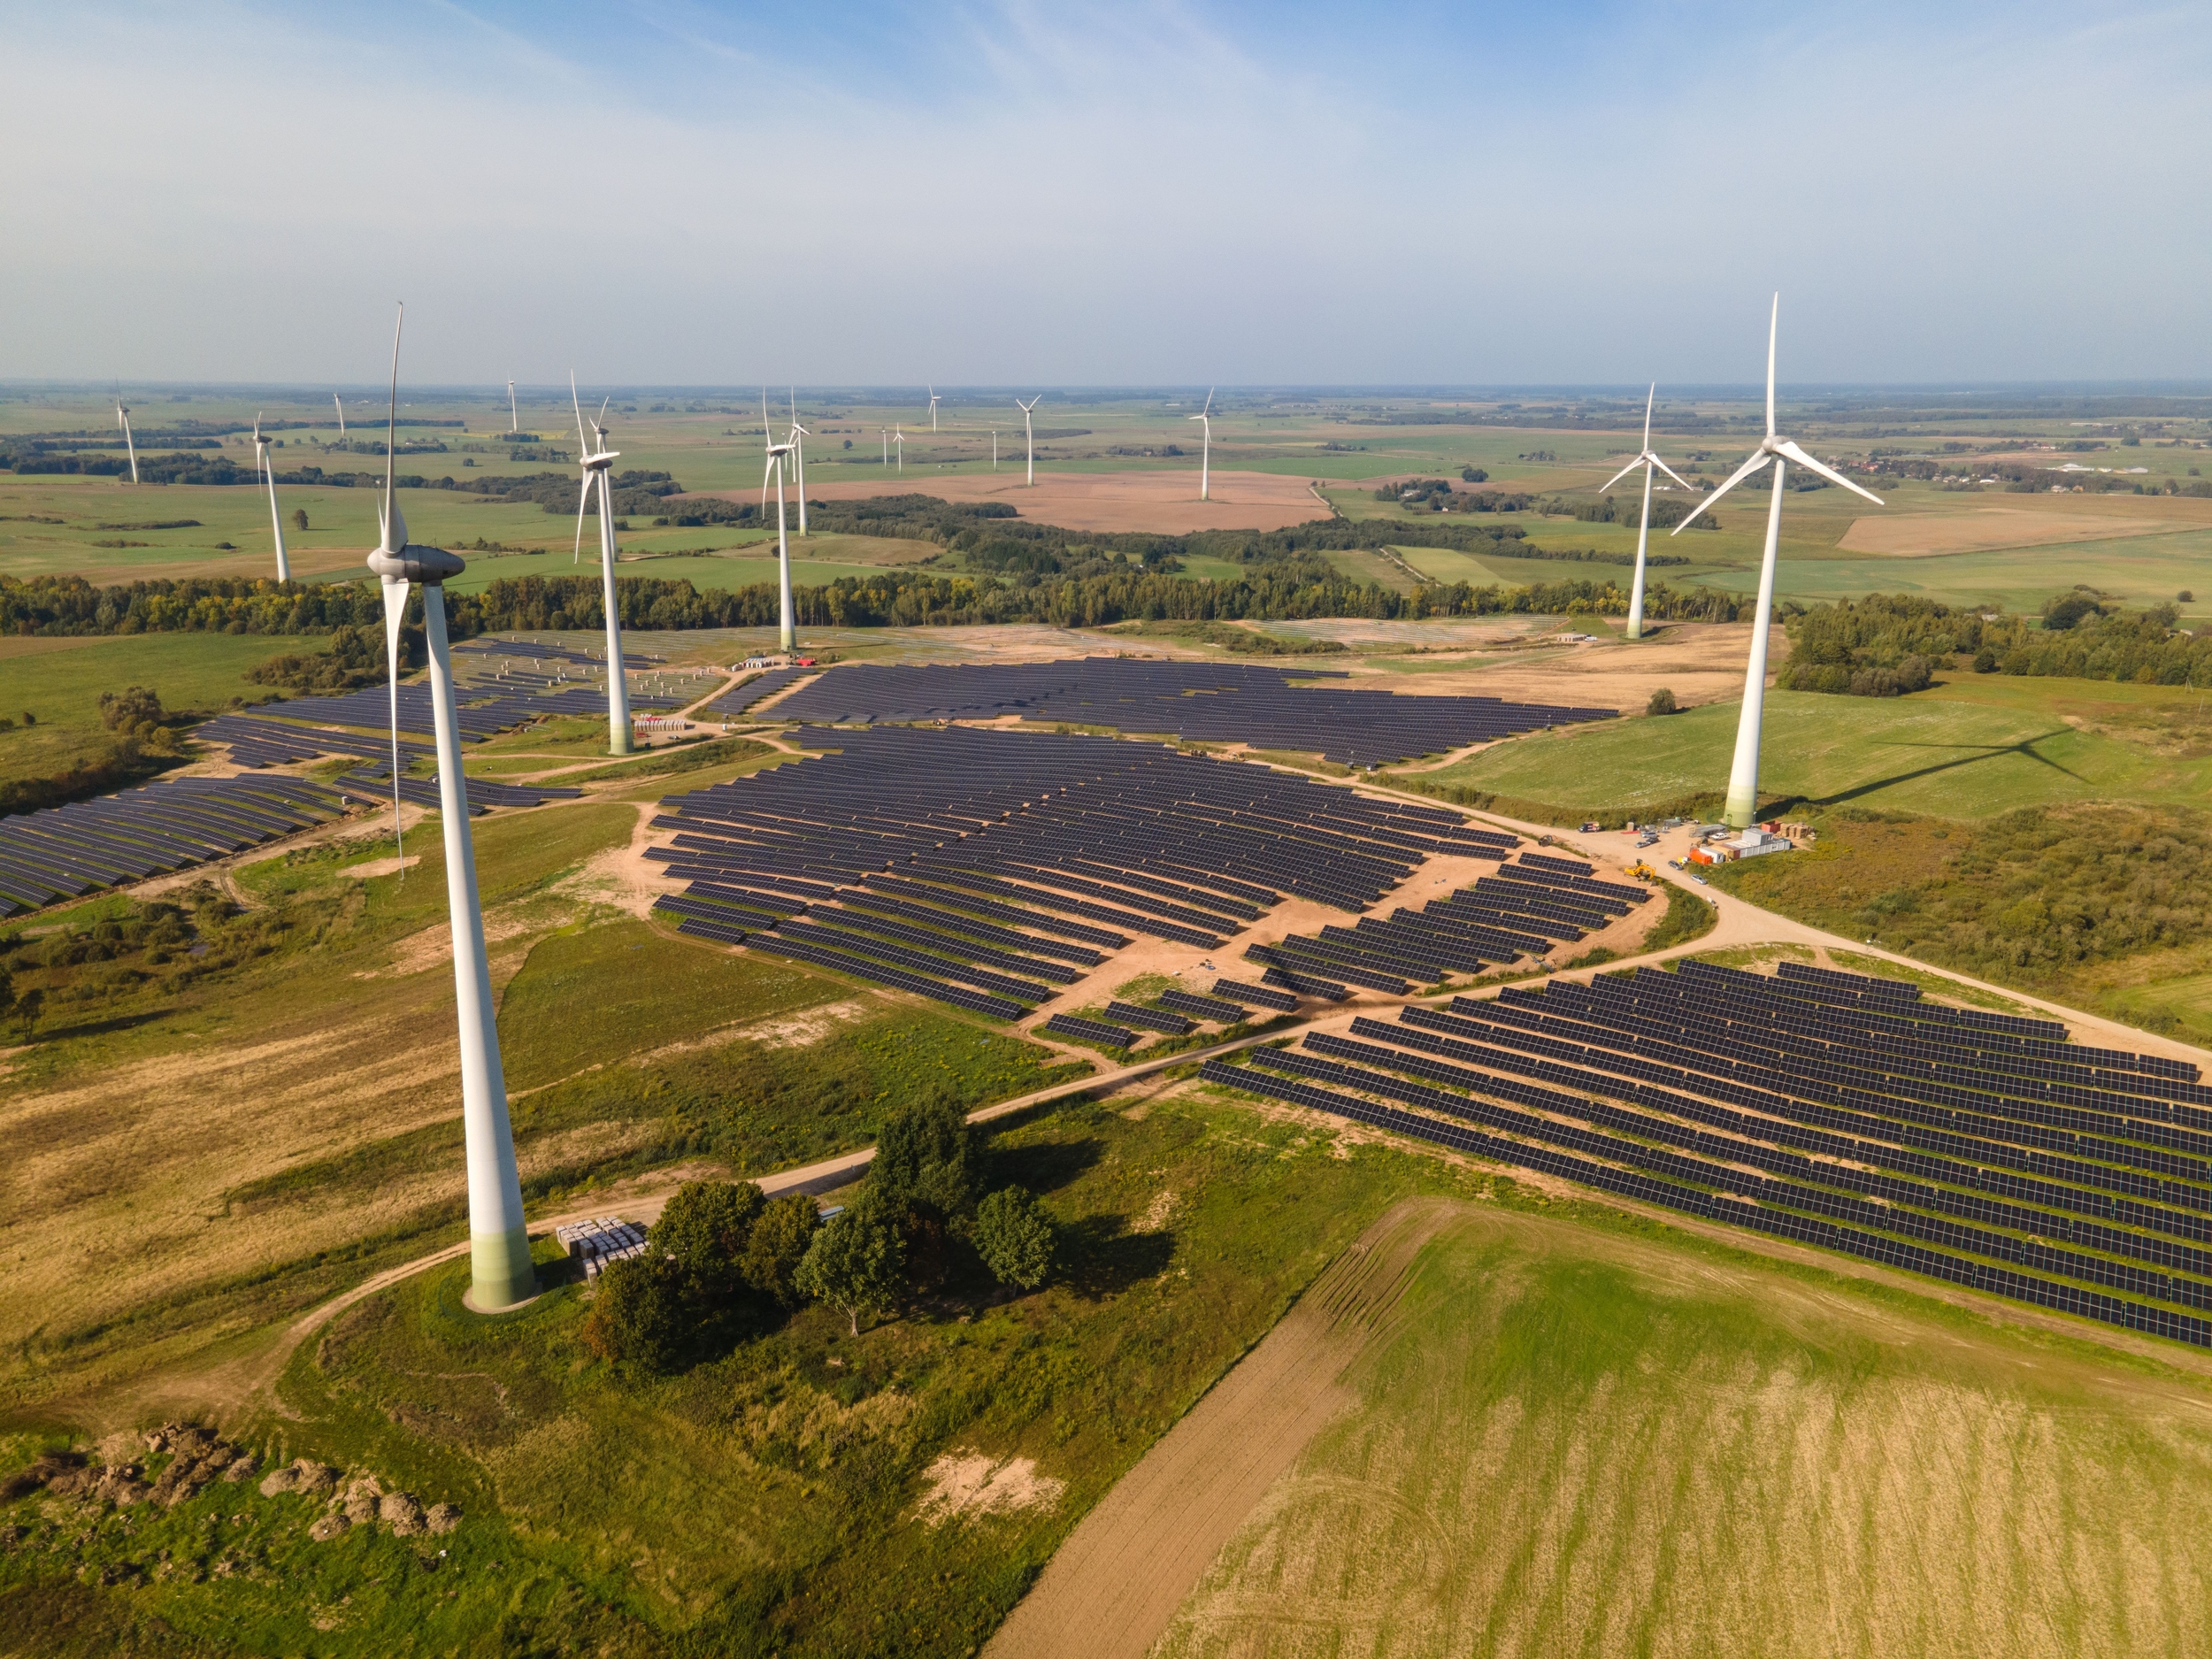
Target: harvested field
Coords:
[[1162, 502], [1111, 1587], [2090, 518], [1588, 1443]]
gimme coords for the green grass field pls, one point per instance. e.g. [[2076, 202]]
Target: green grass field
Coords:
[[1584, 1441], [1971, 750]]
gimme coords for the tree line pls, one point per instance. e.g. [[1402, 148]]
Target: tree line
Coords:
[[1889, 644]]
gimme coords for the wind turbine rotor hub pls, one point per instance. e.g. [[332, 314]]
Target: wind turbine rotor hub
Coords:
[[415, 563]]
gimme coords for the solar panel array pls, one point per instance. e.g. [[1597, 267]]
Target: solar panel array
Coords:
[[164, 826], [1527, 906], [993, 860], [744, 695], [1205, 701], [1832, 1109]]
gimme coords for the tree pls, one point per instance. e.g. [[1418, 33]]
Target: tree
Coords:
[[1014, 1238], [856, 1264], [777, 1245], [637, 1318], [1662, 703], [7, 992], [705, 1229], [922, 1159], [136, 712], [27, 1008], [299, 518]]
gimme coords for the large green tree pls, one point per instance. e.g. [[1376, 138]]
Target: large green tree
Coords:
[[856, 1264]]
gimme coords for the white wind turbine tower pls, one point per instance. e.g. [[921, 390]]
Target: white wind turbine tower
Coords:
[[933, 409], [786, 635], [798, 453], [885, 431], [1206, 449], [1743, 776], [514, 420], [1029, 431], [339, 402], [898, 443], [499, 1250], [598, 462], [994, 449], [1646, 459], [276, 518], [123, 419]]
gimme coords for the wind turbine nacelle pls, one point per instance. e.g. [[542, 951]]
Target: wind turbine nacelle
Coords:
[[415, 563]]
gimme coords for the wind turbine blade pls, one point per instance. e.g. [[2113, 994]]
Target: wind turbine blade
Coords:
[[583, 444], [394, 526], [1774, 323], [601, 422], [1210, 403], [1788, 447], [1649, 397], [577, 556], [1759, 458], [765, 470], [1669, 472], [1622, 473], [394, 614]]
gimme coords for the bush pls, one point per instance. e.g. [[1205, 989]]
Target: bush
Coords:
[[856, 1264], [299, 518], [1474, 475], [1014, 1238], [1985, 661], [355, 658], [638, 1317], [776, 1245], [704, 1230], [136, 712], [1662, 703]]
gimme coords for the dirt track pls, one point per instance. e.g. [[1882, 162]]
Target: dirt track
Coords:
[[1162, 502], [1110, 1589]]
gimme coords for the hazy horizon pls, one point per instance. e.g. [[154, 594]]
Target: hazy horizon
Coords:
[[671, 194]]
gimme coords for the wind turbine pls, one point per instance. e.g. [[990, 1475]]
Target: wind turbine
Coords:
[[1743, 776], [898, 443], [994, 449], [276, 518], [933, 409], [499, 1250], [514, 420], [885, 431], [1646, 459], [341, 413], [1206, 449], [598, 462], [798, 454], [1029, 431], [786, 636], [123, 419]]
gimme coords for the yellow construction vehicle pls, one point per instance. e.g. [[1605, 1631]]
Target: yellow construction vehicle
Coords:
[[1643, 872]]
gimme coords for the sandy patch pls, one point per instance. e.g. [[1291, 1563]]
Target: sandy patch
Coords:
[[1165, 502], [380, 867], [801, 1030], [1111, 1588], [433, 946], [963, 1484], [2091, 518]]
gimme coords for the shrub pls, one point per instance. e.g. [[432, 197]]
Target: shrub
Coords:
[[638, 1318], [136, 712], [299, 518], [1014, 1238], [1662, 703], [704, 1230]]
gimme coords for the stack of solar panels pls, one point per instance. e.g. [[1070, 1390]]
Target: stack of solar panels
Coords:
[[168, 826], [1090, 1031], [1837, 1110], [600, 1241], [747, 693], [1207, 702]]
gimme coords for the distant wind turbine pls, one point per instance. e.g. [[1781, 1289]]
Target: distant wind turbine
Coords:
[[1743, 777], [779, 454], [885, 431], [1206, 451], [933, 409], [1648, 460], [339, 402], [514, 420], [123, 419], [276, 518], [500, 1274], [994, 449], [799, 435], [598, 462], [898, 443], [1029, 431]]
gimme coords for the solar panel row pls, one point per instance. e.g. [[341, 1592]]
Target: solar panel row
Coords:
[[1090, 1031]]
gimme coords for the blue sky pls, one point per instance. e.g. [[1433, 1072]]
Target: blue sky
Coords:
[[670, 192]]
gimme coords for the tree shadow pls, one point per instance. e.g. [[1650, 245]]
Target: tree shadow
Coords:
[[1043, 1167], [1984, 752], [1101, 1257]]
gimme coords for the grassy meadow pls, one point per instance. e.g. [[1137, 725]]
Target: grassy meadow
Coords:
[[1593, 1441]]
